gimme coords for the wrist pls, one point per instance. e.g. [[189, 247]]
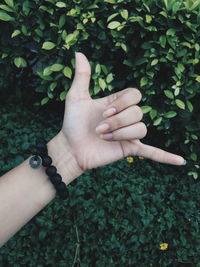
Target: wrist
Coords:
[[63, 158]]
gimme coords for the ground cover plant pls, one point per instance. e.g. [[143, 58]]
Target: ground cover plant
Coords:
[[133, 212]]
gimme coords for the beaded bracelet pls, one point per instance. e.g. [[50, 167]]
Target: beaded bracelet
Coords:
[[40, 157]]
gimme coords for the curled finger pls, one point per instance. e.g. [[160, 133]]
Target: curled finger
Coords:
[[135, 131]]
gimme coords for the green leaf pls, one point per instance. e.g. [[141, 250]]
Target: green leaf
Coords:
[[143, 81], [98, 68], [5, 17], [112, 16], [63, 95], [97, 89], [169, 94], [109, 78], [113, 25], [4, 55], [162, 40], [124, 47], [194, 174], [154, 62], [153, 113], [181, 67], [171, 32], [124, 14], [44, 101], [157, 121], [61, 4], [193, 156], [198, 79], [53, 86], [62, 20], [67, 72], [148, 18], [170, 114], [9, 3], [102, 83], [163, 13], [48, 45], [6, 8], [194, 136], [197, 47], [190, 106], [20, 62], [57, 67], [146, 109], [15, 33], [24, 30], [47, 71], [180, 103], [69, 38]]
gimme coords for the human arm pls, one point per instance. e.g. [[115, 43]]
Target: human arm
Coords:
[[25, 191]]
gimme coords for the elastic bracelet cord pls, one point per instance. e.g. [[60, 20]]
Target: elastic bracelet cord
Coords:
[[41, 158]]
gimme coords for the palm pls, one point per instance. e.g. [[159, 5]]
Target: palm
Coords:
[[83, 114], [81, 119]]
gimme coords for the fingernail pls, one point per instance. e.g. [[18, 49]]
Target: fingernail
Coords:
[[102, 128], [109, 112], [185, 162], [106, 136]]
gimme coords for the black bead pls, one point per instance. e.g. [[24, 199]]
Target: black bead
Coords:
[[42, 149], [56, 179], [64, 194], [46, 161], [43, 153], [41, 146], [51, 170], [35, 152], [61, 187], [41, 140]]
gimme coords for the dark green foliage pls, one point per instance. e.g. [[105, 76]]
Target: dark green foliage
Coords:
[[152, 45], [118, 215]]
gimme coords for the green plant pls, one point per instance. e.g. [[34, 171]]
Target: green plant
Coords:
[[118, 215], [152, 45]]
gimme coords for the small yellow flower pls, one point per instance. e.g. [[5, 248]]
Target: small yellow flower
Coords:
[[163, 246], [130, 159], [141, 157]]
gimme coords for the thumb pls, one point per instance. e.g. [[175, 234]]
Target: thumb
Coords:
[[80, 85]]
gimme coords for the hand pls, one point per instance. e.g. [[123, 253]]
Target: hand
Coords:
[[83, 114]]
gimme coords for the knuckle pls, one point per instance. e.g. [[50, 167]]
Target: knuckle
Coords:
[[69, 95], [84, 73], [143, 129]]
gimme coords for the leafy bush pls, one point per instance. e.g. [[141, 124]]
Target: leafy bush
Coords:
[[152, 45], [118, 215]]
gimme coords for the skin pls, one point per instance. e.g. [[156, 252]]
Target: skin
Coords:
[[77, 147], [83, 114]]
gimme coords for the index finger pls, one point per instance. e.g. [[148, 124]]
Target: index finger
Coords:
[[159, 155]]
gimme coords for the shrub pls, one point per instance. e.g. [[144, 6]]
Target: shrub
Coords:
[[152, 45], [118, 215]]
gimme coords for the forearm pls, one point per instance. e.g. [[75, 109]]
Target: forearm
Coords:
[[25, 191]]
